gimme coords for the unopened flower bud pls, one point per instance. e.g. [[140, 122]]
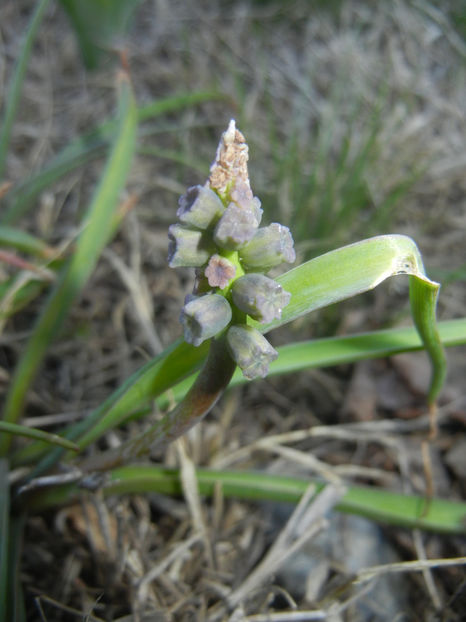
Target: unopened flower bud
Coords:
[[241, 194], [219, 271], [269, 247], [203, 317], [200, 207], [187, 247], [260, 297], [250, 350], [236, 227]]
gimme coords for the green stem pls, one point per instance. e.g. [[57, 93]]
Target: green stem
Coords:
[[199, 400], [15, 88]]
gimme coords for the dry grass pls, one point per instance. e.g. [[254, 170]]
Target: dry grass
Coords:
[[289, 73]]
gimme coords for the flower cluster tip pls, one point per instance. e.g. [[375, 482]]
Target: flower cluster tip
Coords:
[[219, 234]]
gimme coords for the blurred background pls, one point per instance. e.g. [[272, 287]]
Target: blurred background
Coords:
[[354, 113]]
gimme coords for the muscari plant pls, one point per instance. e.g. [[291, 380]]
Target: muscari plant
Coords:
[[234, 304]]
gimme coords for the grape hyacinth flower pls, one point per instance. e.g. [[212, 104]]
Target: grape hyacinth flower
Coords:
[[260, 297], [220, 236], [250, 350]]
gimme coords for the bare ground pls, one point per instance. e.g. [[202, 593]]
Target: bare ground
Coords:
[[156, 558]]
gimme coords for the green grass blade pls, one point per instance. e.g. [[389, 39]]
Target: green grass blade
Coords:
[[14, 90], [4, 537], [328, 351], [99, 25], [379, 505], [98, 221], [133, 399], [40, 435], [154, 378], [23, 242], [88, 147]]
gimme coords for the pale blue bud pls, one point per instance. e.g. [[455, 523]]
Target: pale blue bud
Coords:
[[269, 247], [204, 317], [187, 247], [236, 227], [250, 350], [200, 207], [260, 297]]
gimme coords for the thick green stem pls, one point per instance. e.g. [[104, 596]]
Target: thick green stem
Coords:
[[199, 400]]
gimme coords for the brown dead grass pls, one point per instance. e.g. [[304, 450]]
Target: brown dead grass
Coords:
[[155, 558]]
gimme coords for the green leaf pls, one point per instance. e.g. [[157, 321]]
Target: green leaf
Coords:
[[4, 538], [379, 505], [99, 25], [50, 439], [14, 90], [23, 241], [360, 267], [96, 227]]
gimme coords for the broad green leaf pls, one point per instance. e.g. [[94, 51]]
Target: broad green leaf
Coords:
[[96, 225], [360, 267], [14, 89], [384, 506]]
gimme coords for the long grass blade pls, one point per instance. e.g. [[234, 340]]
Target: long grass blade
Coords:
[[379, 505], [97, 222], [14, 90], [40, 435], [329, 351], [23, 241], [4, 538]]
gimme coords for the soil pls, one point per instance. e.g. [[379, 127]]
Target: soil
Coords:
[[284, 72]]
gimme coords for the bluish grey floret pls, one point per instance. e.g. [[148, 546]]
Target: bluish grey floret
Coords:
[[269, 247], [200, 207], [219, 271], [250, 350], [204, 317], [260, 297], [236, 227], [187, 247]]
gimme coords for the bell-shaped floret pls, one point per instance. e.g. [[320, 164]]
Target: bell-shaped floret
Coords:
[[269, 247], [187, 247], [200, 207], [219, 271], [204, 317], [250, 350], [260, 297], [236, 227]]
